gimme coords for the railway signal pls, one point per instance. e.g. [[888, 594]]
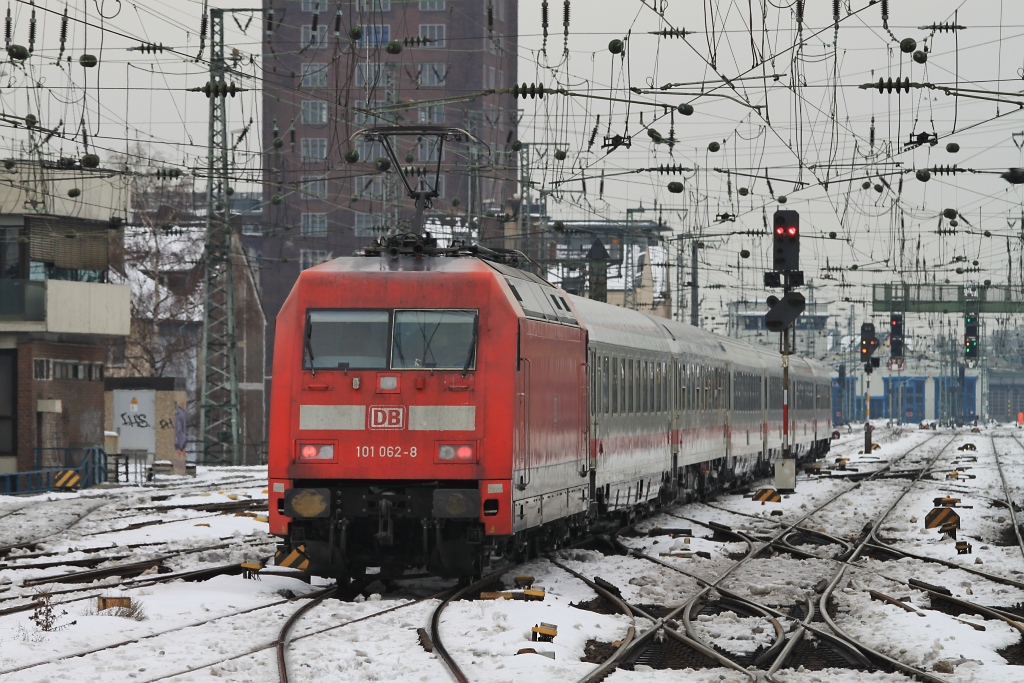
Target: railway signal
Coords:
[[786, 242], [868, 345], [782, 313], [896, 336], [971, 351]]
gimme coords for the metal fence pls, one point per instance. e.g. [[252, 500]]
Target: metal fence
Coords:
[[89, 463]]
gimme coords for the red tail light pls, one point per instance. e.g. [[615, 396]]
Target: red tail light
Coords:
[[311, 451], [456, 453]]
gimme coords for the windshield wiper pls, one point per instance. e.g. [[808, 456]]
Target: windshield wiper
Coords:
[[309, 344], [472, 346]]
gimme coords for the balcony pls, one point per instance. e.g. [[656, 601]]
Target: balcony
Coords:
[[65, 307]]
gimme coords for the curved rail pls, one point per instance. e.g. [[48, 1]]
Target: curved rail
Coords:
[[282, 639]]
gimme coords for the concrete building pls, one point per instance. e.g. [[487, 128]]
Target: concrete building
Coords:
[[328, 75], [745, 321], [60, 228]]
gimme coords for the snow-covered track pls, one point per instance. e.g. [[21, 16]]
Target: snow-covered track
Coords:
[[1011, 504]]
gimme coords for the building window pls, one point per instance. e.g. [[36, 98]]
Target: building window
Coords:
[[374, 5], [314, 187], [432, 114], [116, 353], [432, 5], [429, 149], [426, 182], [432, 74], [434, 32], [368, 74], [370, 150], [314, 112], [375, 35], [490, 77], [309, 39], [367, 225], [314, 224], [369, 187], [41, 369], [96, 372], [313, 257], [314, 149], [70, 370], [314, 5], [368, 118], [314, 75]]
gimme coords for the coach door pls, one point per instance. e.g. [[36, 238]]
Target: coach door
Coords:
[[521, 437]]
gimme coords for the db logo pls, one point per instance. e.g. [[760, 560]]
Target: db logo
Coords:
[[387, 417]]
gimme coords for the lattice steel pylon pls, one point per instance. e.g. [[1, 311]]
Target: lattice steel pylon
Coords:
[[218, 422]]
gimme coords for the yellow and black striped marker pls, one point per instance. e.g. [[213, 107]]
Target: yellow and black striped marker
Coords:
[[67, 479], [295, 559], [945, 501], [544, 632], [940, 517], [767, 496], [952, 475], [534, 594]]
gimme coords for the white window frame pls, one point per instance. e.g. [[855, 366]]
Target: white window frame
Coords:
[[369, 74], [381, 33], [432, 5], [433, 113], [313, 257], [437, 32], [307, 147], [373, 5], [313, 224], [437, 73], [314, 187], [369, 187], [314, 75], [314, 112], [306, 37], [311, 5], [367, 225]]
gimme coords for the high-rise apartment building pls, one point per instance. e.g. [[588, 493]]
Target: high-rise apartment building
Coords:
[[332, 68]]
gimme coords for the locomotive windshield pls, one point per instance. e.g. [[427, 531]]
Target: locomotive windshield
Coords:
[[434, 339], [356, 339], [361, 339]]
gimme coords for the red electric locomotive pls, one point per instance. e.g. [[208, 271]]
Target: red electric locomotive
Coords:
[[431, 408]]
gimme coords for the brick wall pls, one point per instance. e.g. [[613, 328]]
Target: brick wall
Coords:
[[80, 423]]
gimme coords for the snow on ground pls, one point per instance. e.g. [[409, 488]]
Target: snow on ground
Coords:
[[201, 631]]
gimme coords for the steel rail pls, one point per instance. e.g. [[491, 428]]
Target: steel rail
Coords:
[[841, 572], [1006, 489]]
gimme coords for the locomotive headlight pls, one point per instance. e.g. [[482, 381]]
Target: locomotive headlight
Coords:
[[456, 452], [312, 451], [388, 383]]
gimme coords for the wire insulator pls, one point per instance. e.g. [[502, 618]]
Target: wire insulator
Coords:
[[872, 132], [270, 22], [63, 32], [32, 31], [565, 16], [800, 12], [7, 29], [490, 16], [671, 33], [888, 85], [337, 24], [944, 27], [835, 11], [885, 13], [543, 17], [316, 22], [593, 135], [203, 25]]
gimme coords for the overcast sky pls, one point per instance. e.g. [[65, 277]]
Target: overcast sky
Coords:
[[793, 113]]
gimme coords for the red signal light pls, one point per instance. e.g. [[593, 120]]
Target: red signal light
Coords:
[[780, 231], [464, 453], [791, 230]]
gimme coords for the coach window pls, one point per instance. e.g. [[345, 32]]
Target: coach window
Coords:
[[658, 387], [622, 385], [615, 386], [343, 339], [605, 379], [434, 339], [628, 382]]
